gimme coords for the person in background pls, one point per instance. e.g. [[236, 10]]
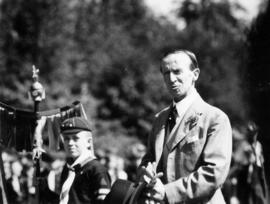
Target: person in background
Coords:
[[249, 169], [53, 179], [136, 152], [116, 167], [190, 143], [16, 186], [101, 156]]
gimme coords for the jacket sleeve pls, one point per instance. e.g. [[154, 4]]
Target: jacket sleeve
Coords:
[[215, 162], [150, 152], [102, 182]]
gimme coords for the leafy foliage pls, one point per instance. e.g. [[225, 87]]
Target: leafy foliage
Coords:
[[107, 53], [217, 39], [258, 78]]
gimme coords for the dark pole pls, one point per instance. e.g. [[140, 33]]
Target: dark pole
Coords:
[[2, 178], [37, 159], [38, 94]]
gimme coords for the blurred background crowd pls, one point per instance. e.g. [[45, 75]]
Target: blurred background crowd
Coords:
[[106, 55], [246, 183]]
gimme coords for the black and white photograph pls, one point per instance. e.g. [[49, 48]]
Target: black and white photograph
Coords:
[[134, 101]]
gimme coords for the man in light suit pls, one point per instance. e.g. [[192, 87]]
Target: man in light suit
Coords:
[[194, 154]]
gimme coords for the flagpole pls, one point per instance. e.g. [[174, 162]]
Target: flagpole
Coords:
[[38, 94], [2, 178]]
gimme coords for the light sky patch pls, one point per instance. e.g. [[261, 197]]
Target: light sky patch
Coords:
[[166, 7]]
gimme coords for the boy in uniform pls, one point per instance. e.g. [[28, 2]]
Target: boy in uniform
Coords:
[[83, 179]]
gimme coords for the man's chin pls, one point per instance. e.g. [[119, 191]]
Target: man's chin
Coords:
[[177, 92], [73, 155], [178, 97]]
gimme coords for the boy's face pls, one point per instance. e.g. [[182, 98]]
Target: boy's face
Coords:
[[76, 144]]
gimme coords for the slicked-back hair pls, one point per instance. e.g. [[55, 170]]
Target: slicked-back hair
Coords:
[[191, 55]]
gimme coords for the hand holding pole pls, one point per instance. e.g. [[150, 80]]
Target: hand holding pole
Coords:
[[37, 93]]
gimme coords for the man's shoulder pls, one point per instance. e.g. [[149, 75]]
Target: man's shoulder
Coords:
[[163, 111], [212, 111]]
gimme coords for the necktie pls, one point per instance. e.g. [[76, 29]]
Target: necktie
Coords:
[[172, 118], [66, 187], [170, 124]]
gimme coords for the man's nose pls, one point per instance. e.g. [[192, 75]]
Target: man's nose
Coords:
[[172, 77], [70, 141]]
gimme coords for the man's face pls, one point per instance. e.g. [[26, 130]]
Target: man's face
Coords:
[[76, 144], [178, 76]]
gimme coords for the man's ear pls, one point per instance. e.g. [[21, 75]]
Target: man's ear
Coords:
[[196, 73], [89, 141]]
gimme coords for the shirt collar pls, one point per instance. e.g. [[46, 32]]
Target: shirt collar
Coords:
[[185, 103]]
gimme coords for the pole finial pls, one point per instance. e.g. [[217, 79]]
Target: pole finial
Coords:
[[37, 91], [35, 72]]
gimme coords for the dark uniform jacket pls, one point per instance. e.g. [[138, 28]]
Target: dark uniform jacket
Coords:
[[91, 183]]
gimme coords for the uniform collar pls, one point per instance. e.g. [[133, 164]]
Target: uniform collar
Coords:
[[81, 161]]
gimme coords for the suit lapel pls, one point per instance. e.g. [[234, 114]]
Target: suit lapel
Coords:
[[159, 143], [182, 128], [161, 133]]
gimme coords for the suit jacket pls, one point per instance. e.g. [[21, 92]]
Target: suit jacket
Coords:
[[196, 157]]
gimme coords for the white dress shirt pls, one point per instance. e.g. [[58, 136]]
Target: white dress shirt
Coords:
[[183, 105]]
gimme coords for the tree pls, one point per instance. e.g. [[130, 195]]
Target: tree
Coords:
[[217, 37], [101, 53], [24, 41], [107, 54], [258, 78]]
